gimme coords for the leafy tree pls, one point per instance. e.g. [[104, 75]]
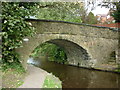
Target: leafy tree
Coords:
[[116, 13], [91, 19], [65, 11], [15, 28]]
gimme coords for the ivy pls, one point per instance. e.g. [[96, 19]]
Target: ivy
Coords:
[[15, 28]]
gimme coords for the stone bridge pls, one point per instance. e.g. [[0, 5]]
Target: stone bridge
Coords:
[[85, 45]]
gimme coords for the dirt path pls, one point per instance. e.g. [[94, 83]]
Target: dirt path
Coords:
[[35, 78]]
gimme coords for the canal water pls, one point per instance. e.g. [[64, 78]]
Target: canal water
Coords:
[[74, 77]]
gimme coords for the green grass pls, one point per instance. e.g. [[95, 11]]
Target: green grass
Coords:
[[12, 76], [52, 82], [16, 66]]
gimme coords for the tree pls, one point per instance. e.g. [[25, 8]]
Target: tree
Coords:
[[116, 13], [15, 28], [65, 11], [91, 19]]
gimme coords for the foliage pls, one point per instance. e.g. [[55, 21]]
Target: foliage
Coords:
[[91, 19], [16, 66], [13, 75], [65, 11], [15, 28], [52, 82], [116, 13], [52, 51]]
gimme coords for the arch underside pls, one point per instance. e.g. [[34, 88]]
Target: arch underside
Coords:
[[76, 55]]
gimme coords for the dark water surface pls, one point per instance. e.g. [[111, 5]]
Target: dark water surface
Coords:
[[74, 77]]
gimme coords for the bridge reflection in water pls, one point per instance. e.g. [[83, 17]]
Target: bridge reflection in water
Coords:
[[73, 77]]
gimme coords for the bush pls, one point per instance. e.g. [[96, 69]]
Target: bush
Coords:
[[15, 28]]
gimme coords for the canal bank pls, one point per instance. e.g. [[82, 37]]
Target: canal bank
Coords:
[[76, 77], [38, 78]]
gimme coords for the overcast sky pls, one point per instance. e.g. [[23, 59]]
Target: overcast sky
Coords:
[[97, 9], [100, 10]]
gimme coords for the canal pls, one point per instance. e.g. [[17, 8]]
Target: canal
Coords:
[[74, 77]]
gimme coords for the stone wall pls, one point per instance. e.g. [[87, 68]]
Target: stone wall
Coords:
[[74, 29]]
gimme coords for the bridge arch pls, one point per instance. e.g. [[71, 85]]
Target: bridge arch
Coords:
[[76, 54]]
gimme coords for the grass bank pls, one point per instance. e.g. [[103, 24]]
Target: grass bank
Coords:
[[52, 82], [12, 76]]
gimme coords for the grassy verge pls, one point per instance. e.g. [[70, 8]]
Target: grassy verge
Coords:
[[52, 82], [12, 76]]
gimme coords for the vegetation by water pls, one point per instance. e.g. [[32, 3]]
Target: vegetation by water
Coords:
[[52, 51], [52, 82]]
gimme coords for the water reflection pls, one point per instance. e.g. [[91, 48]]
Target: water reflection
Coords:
[[73, 77]]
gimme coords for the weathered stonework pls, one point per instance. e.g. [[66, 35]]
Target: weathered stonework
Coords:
[[85, 45]]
